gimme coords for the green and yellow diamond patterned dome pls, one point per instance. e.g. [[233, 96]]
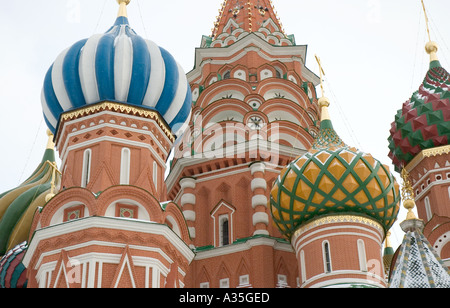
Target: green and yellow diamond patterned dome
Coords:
[[333, 178]]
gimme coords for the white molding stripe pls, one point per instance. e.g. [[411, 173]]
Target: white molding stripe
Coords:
[[106, 223], [258, 183], [240, 247], [187, 199], [259, 200], [101, 125], [260, 217], [345, 282], [113, 139]]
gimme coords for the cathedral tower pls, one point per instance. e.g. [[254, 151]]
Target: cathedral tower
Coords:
[[116, 103], [419, 141], [254, 110]]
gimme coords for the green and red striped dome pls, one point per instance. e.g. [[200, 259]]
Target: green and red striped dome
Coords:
[[424, 120]]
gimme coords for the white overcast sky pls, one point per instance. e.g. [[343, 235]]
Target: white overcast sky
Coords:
[[372, 52]]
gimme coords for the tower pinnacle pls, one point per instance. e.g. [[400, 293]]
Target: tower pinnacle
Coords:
[[431, 47], [248, 14]]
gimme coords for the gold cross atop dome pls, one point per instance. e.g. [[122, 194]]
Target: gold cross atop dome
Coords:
[[324, 102]]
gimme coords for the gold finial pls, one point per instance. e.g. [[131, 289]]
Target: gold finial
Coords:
[[388, 240], [408, 195], [123, 8], [431, 47], [50, 144], [322, 74], [324, 102], [49, 196]]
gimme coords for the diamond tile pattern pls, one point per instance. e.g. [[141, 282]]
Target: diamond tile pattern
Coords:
[[337, 180], [418, 266]]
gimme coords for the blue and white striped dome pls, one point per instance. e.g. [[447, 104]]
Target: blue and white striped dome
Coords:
[[117, 66]]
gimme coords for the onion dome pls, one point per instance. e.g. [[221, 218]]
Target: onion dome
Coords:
[[333, 178], [18, 205], [423, 122], [118, 66], [13, 274]]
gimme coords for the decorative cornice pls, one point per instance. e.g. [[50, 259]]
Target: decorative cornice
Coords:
[[427, 153], [139, 227], [338, 219], [117, 107]]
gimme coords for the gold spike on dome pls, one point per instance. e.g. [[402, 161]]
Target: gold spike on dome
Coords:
[[123, 8], [431, 47], [408, 195]]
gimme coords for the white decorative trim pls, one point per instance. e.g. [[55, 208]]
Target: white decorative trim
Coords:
[[443, 240], [192, 232], [103, 125], [234, 248], [105, 223], [112, 140], [261, 232], [189, 215], [243, 148], [257, 167], [327, 220], [187, 183], [343, 282], [259, 200], [187, 199], [259, 183], [260, 217]]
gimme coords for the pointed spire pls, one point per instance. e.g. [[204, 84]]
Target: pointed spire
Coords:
[[431, 47], [327, 136], [246, 14]]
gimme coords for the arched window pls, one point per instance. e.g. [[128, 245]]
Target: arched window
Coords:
[[224, 230], [362, 256], [125, 167], [326, 257], [86, 172], [278, 72], [227, 75]]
